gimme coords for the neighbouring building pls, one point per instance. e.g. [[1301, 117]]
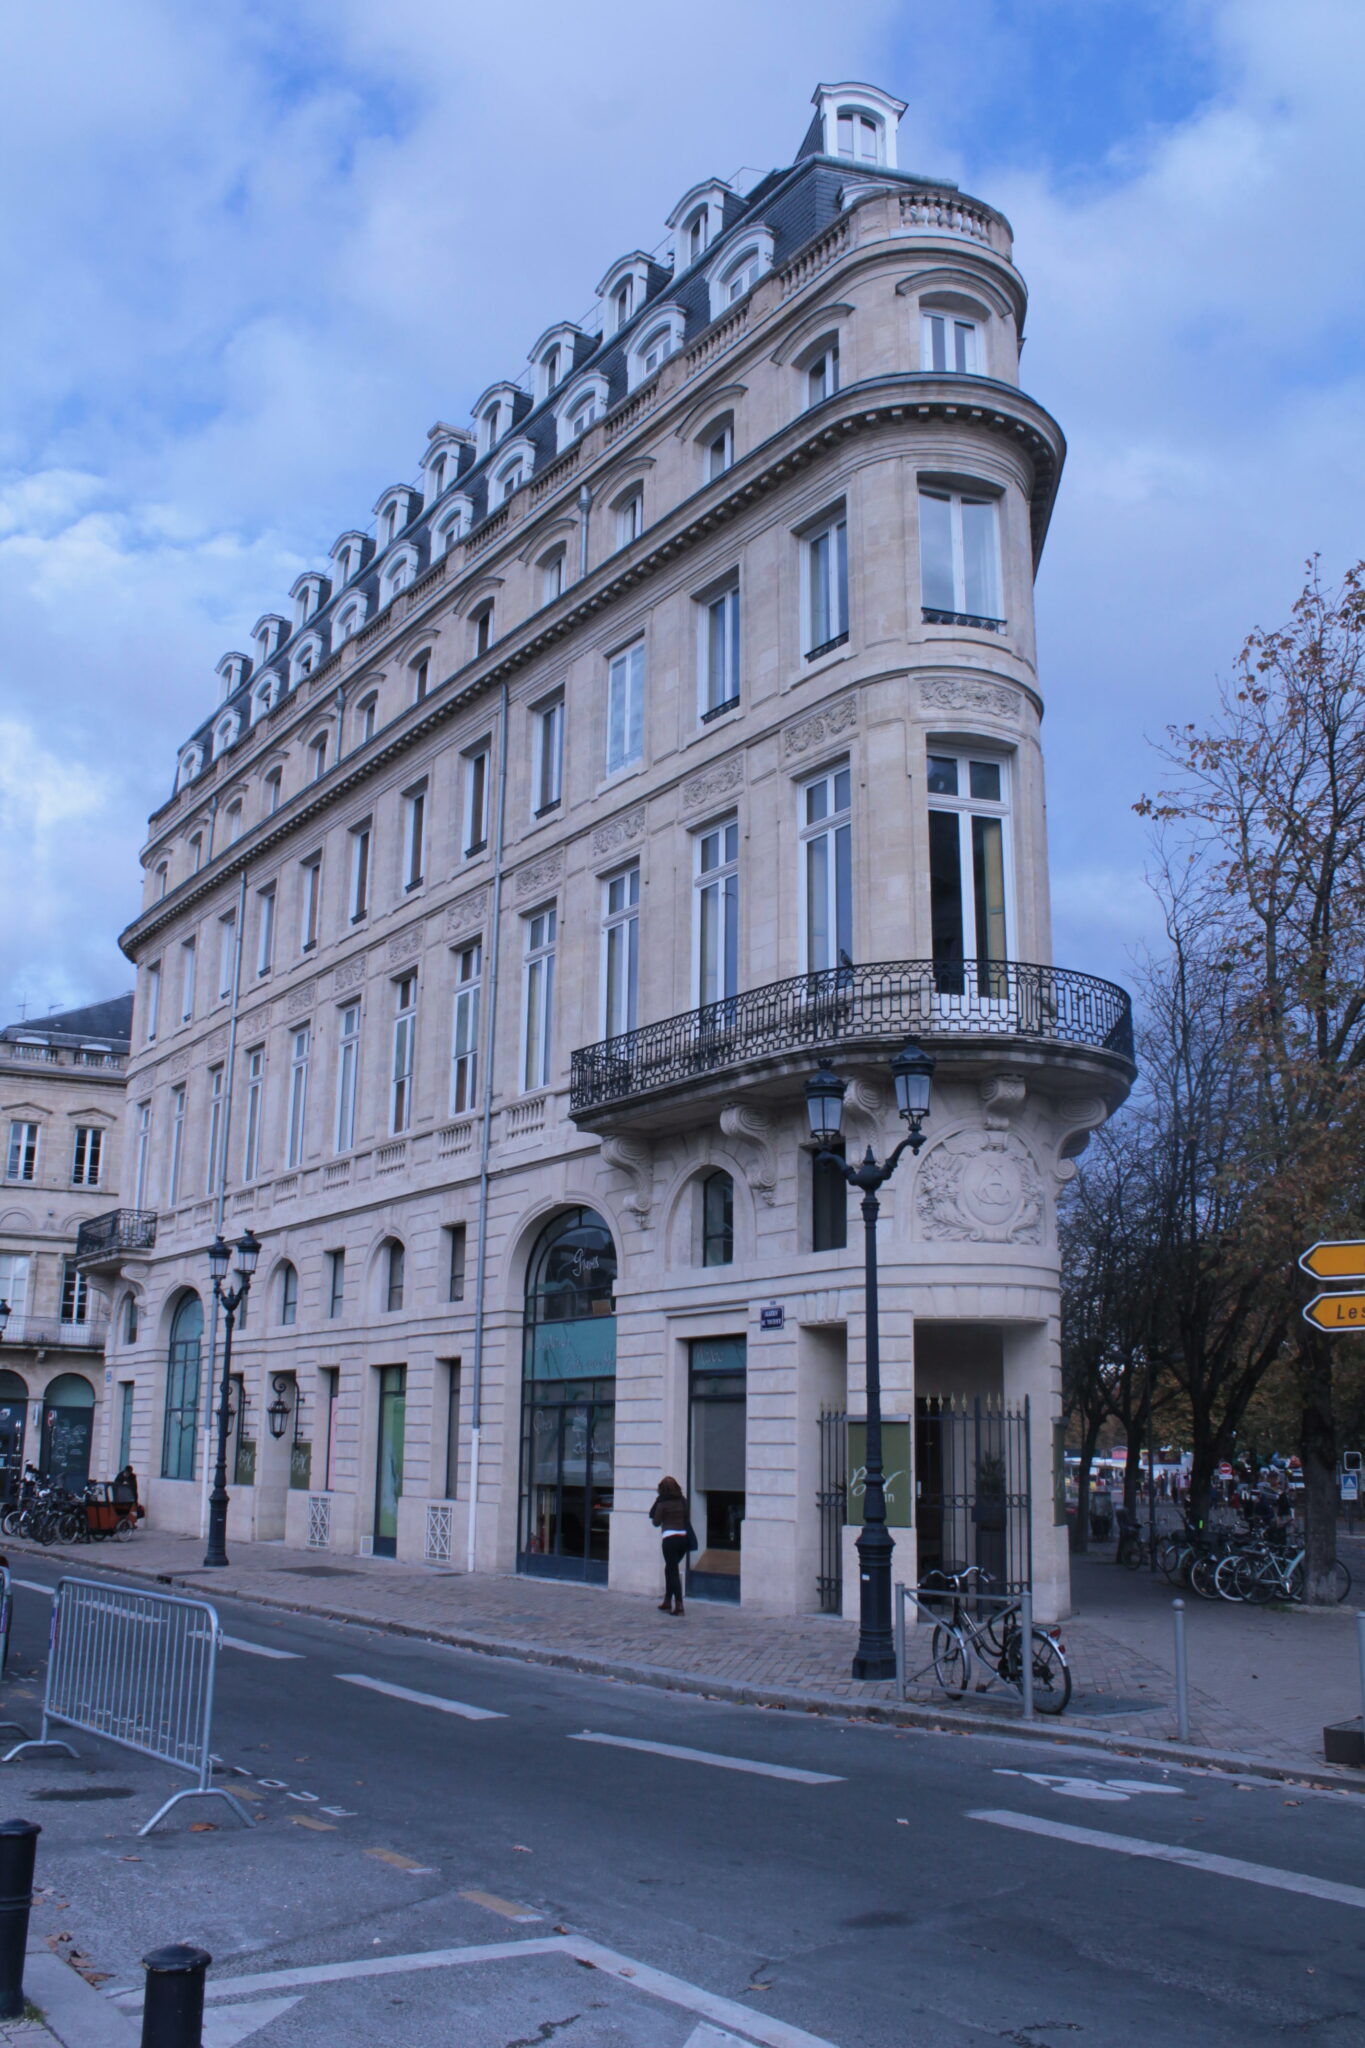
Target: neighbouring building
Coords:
[[63, 1078], [681, 722]]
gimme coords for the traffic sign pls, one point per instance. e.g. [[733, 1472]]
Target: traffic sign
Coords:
[[1336, 1311], [1350, 1486], [1335, 1259]]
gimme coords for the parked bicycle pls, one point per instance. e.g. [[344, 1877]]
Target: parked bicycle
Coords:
[[991, 1644], [1259, 1572]]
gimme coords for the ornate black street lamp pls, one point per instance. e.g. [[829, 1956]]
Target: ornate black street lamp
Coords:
[[4, 1319], [277, 1414], [248, 1250], [912, 1070]]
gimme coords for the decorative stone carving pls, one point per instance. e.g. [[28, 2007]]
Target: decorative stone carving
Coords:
[[179, 1063], [628, 1155], [749, 1128], [1002, 1098], [959, 693], [296, 1004], [713, 783], [403, 945], [1077, 1117], [829, 723], [541, 874], [467, 913], [214, 1043], [982, 1186], [619, 832], [350, 974]]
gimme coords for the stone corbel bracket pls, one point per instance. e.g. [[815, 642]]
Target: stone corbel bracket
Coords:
[[1002, 1098], [749, 1129], [1076, 1118], [628, 1155]]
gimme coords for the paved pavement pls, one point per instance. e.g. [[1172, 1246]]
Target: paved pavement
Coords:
[[1263, 1682]]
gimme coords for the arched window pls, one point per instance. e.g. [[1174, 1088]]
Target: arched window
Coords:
[[130, 1319], [398, 575], [568, 1399], [349, 620], [263, 696], [717, 1219], [191, 761], [551, 567], [182, 1389], [393, 1275], [288, 1293], [859, 136], [482, 622], [225, 732], [452, 526], [366, 712]]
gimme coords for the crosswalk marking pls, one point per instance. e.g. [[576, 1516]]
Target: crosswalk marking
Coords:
[[707, 1756], [420, 1699], [260, 1649]]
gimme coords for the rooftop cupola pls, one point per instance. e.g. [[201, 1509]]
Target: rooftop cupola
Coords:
[[856, 122]]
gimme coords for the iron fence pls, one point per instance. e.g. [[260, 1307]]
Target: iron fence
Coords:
[[118, 1230], [973, 1504], [832, 1503]]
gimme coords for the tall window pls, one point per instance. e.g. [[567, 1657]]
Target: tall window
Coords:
[[967, 891], [177, 1144], [289, 1293], [621, 950], [365, 713], [630, 518], [404, 1046], [217, 1106], [626, 707], [538, 1005], [421, 672], [22, 1161], [822, 377], [189, 956], [959, 555], [196, 852], [234, 821], [317, 757], [265, 929], [395, 1265], [464, 1073], [255, 1082], [336, 1283], [455, 1261], [298, 1091], [360, 871], [88, 1156], [227, 952], [717, 1219], [826, 580], [348, 1071], [143, 1154], [718, 651], [719, 452], [483, 630], [163, 876], [949, 343], [826, 837], [153, 993], [476, 800], [548, 755], [310, 905], [552, 572], [717, 913], [182, 1390], [274, 788], [414, 835], [858, 136]]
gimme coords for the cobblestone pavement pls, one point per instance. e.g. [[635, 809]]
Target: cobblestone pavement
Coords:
[[1263, 1681]]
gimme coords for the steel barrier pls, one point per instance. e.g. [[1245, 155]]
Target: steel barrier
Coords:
[[138, 1669], [6, 1612]]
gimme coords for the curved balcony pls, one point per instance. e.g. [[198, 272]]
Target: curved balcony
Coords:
[[874, 1007]]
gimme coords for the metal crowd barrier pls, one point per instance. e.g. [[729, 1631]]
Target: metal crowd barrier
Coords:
[[6, 1610], [138, 1669]]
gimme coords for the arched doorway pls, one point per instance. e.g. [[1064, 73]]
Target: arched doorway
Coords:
[[182, 1389], [68, 1426], [13, 1409], [568, 1400]]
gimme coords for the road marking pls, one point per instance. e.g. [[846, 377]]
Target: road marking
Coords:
[[1115, 1789], [707, 1756], [239, 2022], [1191, 1859], [397, 1862], [493, 1904], [260, 1649], [705, 2036], [420, 1699], [306, 1820]]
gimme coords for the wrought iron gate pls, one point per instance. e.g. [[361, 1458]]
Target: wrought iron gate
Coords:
[[972, 1499], [832, 1500]]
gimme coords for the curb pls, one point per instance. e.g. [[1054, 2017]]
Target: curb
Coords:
[[74, 2012], [885, 1713]]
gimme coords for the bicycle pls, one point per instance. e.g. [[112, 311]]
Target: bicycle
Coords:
[[994, 1646]]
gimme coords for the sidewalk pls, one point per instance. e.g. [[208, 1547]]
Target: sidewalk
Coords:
[[1263, 1682]]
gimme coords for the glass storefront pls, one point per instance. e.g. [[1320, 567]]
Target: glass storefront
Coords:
[[718, 1452], [568, 1400]]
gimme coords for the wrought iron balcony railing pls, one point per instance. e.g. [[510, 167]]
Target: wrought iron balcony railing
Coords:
[[121, 1230], [892, 999]]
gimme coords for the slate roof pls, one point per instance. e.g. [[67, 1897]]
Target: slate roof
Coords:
[[108, 1023]]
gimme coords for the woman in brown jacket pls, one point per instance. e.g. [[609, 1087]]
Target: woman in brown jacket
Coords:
[[669, 1516]]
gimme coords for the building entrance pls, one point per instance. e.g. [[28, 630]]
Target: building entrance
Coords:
[[568, 1435], [13, 1405], [388, 1479], [718, 1453]]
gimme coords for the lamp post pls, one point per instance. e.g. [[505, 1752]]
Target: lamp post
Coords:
[[912, 1070], [277, 1414], [248, 1249]]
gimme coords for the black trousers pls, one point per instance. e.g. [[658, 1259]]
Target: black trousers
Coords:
[[675, 1550]]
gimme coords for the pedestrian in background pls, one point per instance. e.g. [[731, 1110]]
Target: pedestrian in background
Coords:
[[669, 1516]]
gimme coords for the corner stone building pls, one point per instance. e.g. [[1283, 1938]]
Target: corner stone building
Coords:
[[680, 725]]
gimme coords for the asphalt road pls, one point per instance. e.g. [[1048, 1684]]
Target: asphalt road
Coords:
[[857, 1887]]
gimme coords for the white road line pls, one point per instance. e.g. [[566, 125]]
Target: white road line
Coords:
[[420, 1699], [1190, 1859], [707, 1756], [260, 1649]]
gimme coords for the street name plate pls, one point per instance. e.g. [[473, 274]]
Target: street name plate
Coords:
[[1335, 1259], [1336, 1311]]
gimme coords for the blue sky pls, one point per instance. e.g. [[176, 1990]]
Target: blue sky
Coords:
[[251, 254]]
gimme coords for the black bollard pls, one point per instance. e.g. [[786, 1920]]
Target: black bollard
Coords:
[[18, 1847], [173, 2012]]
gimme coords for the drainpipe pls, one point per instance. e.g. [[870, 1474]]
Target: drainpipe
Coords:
[[485, 1141], [584, 507], [339, 699], [220, 1192]]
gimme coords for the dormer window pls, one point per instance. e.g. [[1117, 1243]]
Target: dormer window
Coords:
[[585, 404], [263, 696], [225, 732], [859, 136], [350, 619], [451, 527], [441, 463], [743, 276], [550, 368], [739, 268], [554, 356], [191, 761], [233, 671], [697, 222], [392, 514], [349, 557], [623, 303], [858, 123], [305, 659], [697, 234], [656, 344], [623, 291], [495, 415], [268, 633], [307, 596], [399, 574], [511, 474]]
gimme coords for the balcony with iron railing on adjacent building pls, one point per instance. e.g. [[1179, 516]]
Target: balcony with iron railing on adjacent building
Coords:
[[118, 1234], [976, 1009], [52, 1333]]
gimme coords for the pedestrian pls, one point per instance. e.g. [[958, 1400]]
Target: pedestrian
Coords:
[[669, 1516]]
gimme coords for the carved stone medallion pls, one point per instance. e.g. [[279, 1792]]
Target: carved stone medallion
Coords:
[[981, 1186]]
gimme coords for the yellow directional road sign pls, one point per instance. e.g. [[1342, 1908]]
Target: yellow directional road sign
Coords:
[[1336, 1311], [1339, 1260]]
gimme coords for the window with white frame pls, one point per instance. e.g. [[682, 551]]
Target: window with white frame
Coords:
[[822, 374], [968, 871], [551, 568], [547, 755], [622, 304], [225, 732], [550, 370], [265, 929], [420, 671], [348, 1074], [464, 1056], [349, 620], [189, 957], [289, 1292], [14, 1276], [626, 707], [263, 697], [227, 952], [274, 791], [399, 574], [951, 342], [738, 269], [317, 758], [310, 903], [959, 552], [177, 1144], [697, 233], [304, 660], [859, 136], [630, 516], [508, 479], [234, 820], [336, 1283], [482, 622], [75, 1294], [538, 989], [196, 852], [300, 1041], [451, 527], [476, 764], [717, 911], [163, 879], [825, 834], [22, 1160], [366, 712], [825, 576], [414, 835], [580, 410], [142, 1155], [88, 1156], [718, 650], [660, 340], [360, 870], [254, 1107], [621, 950], [217, 1105], [152, 999], [404, 1052], [718, 449]]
